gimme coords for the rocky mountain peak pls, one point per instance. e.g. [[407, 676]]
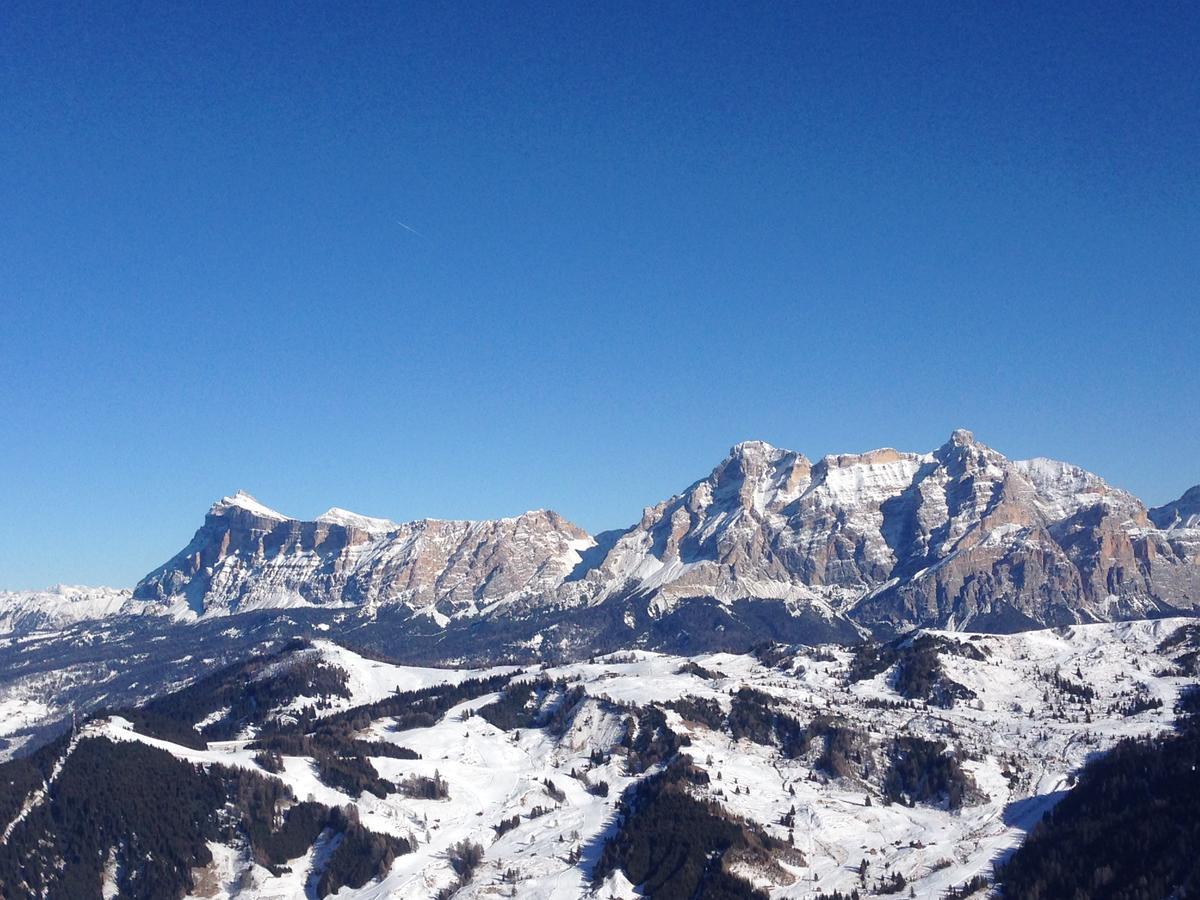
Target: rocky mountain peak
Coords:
[[248, 556], [536, 522], [756, 476], [958, 535], [1062, 489], [964, 450], [961, 437], [335, 515], [754, 455]]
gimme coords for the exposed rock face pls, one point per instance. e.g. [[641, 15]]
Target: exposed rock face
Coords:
[[247, 556], [960, 537], [957, 538]]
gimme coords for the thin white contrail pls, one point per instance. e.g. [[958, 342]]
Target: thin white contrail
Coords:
[[409, 228]]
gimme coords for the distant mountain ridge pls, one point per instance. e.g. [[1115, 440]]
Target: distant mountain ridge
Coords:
[[1181, 513], [64, 604], [959, 537], [247, 556]]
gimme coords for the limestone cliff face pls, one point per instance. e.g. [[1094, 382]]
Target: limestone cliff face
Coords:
[[246, 556], [959, 537]]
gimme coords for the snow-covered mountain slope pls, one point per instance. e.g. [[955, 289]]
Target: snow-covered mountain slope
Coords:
[[247, 556], [63, 605], [831, 756]]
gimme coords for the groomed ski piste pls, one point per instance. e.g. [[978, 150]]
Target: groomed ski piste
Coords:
[[1019, 739]]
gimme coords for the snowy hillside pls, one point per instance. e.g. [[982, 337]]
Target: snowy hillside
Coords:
[[926, 758], [64, 605]]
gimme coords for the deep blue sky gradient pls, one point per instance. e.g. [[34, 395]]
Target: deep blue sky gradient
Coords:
[[645, 231]]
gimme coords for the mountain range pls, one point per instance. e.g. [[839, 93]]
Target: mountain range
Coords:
[[960, 538]]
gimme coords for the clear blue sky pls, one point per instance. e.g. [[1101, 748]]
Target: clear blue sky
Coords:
[[642, 233]]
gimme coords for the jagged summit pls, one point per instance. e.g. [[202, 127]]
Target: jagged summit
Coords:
[[755, 450], [961, 437], [960, 536]]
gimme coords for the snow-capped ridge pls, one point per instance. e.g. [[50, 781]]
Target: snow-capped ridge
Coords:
[[61, 606], [343, 559], [755, 449], [243, 501], [335, 515], [887, 535], [961, 437]]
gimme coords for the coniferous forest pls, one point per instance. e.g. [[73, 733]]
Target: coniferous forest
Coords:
[[677, 847], [1129, 830], [158, 813]]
